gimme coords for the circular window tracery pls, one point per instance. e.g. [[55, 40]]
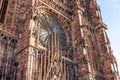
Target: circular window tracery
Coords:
[[47, 25]]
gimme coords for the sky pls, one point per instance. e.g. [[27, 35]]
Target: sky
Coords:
[[110, 10]]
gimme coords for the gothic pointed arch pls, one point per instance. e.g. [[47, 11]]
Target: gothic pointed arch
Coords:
[[47, 25], [3, 9]]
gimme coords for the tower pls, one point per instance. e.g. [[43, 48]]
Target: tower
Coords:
[[54, 40]]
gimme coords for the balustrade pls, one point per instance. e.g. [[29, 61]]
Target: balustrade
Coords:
[[58, 6], [7, 30]]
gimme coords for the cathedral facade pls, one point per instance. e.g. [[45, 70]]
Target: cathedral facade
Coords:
[[54, 40]]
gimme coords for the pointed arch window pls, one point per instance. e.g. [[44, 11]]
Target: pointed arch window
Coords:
[[3, 9], [47, 25]]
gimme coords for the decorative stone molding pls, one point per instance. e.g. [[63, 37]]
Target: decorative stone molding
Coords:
[[9, 40], [35, 52]]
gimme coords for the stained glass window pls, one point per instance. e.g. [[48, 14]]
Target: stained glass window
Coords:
[[47, 25]]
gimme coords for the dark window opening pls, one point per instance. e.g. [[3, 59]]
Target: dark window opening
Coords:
[[3, 10]]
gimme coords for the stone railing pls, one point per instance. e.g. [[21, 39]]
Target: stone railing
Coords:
[[58, 6], [8, 31], [65, 7]]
